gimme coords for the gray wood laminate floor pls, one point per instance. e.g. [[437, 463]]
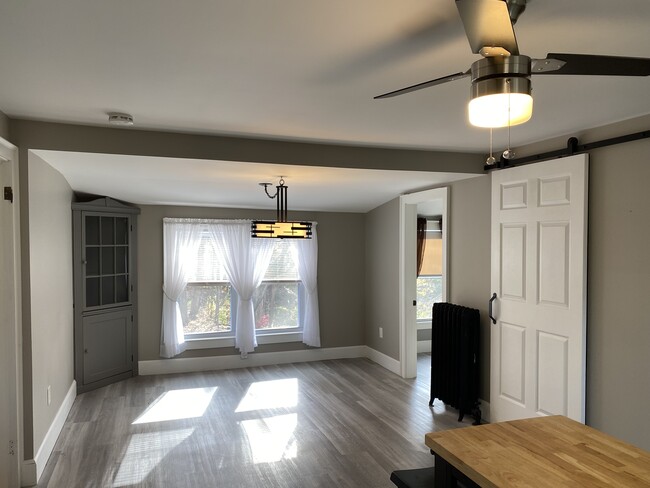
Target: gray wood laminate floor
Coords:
[[343, 423]]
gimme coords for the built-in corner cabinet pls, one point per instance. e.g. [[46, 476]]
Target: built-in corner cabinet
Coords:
[[105, 300]]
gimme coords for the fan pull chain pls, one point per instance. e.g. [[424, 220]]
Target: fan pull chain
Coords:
[[508, 153], [490, 160]]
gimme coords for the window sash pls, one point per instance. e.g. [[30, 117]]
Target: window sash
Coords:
[[419, 310], [233, 311]]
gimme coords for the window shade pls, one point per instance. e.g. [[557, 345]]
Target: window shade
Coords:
[[210, 269]]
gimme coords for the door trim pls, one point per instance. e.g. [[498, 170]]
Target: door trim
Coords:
[[407, 275], [12, 299]]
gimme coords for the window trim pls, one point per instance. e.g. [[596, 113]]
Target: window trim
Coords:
[[218, 342]]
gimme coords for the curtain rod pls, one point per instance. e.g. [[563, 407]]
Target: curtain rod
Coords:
[[572, 148], [191, 220]]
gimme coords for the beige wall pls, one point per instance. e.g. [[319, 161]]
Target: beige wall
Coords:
[[340, 276], [618, 327], [469, 258], [382, 278], [50, 250]]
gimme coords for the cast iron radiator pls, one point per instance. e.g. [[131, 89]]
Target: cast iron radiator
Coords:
[[454, 358]]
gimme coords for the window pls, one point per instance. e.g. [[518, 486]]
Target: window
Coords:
[[429, 283], [198, 302], [429, 291], [276, 301], [208, 304]]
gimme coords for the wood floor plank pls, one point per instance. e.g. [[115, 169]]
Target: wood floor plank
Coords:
[[344, 423]]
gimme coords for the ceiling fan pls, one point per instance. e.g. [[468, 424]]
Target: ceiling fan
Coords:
[[500, 91]]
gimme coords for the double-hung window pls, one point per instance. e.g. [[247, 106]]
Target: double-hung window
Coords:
[[208, 304], [208, 262], [429, 282]]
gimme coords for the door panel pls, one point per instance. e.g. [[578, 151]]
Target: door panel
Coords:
[[513, 269], [553, 252], [552, 374], [513, 362], [107, 345], [539, 252]]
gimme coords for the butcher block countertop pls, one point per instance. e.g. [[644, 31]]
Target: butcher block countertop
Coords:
[[541, 452]]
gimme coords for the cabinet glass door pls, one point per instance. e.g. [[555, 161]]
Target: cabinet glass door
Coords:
[[106, 250]]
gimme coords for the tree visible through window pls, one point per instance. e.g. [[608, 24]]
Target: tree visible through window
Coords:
[[208, 304], [429, 282], [429, 291]]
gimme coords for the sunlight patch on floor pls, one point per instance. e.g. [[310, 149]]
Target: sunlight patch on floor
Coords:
[[272, 439], [264, 395], [143, 454], [178, 404]]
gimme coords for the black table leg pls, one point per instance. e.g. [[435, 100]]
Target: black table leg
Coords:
[[446, 476]]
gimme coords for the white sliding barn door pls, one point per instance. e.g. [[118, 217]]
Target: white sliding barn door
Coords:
[[539, 273]]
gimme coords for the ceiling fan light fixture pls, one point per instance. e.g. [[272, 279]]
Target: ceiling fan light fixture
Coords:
[[500, 110], [500, 101]]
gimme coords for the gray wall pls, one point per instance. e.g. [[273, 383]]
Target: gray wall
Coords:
[[382, 278], [340, 276], [51, 347], [340, 327], [469, 257], [4, 126], [619, 272], [618, 324]]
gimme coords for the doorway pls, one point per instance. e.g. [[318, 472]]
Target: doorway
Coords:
[[436, 202]]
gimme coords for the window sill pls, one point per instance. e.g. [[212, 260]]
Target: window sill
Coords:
[[217, 342], [424, 324]]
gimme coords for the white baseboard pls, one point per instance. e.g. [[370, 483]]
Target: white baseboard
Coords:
[[32, 469], [424, 346], [28, 473], [213, 363], [382, 359]]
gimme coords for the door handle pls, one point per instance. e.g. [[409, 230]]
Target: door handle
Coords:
[[494, 297]]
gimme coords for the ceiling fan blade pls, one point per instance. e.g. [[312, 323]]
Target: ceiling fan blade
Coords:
[[487, 24], [426, 84], [588, 64]]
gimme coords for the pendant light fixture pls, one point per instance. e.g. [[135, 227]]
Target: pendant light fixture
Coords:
[[280, 228]]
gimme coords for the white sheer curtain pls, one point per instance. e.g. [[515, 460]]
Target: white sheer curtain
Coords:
[[181, 241], [306, 253], [245, 260]]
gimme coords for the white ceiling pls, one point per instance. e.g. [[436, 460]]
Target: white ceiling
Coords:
[[303, 69], [297, 70], [171, 181]]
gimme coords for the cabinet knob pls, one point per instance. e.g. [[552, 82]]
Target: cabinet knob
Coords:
[[85, 351]]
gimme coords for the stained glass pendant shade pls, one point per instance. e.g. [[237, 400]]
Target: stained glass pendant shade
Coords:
[[280, 228]]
